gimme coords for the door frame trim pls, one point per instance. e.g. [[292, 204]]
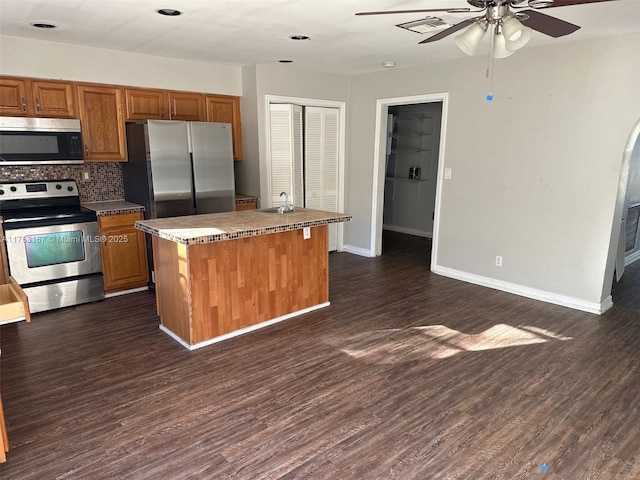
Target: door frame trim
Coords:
[[380, 148]]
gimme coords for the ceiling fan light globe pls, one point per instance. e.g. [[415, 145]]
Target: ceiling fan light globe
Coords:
[[469, 40], [500, 48], [515, 34]]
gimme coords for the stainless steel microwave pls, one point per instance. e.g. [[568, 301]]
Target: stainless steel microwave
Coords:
[[40, 141]]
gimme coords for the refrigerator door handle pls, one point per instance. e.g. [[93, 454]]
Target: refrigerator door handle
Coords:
[[190, 140]]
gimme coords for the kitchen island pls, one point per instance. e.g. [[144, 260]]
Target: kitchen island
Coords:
[[224, 274]]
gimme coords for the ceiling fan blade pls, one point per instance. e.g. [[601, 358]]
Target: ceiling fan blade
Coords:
[[449, 31], [428, 10], [567, 3], [552, 26]]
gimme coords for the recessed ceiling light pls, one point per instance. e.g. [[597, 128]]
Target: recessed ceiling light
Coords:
[[388, 64], [169, 12], [299, 37], [285, 61], [43, 25]]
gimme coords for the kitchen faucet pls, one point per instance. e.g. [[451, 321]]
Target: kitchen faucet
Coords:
[[287, 207]]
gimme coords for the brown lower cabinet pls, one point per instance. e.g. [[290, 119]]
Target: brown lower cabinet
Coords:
[[247, 205], [124, 252]]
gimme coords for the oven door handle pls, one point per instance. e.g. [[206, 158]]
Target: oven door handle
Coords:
[[25, 223]]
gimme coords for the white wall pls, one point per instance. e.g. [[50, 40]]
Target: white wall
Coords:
[[36, 58], [535, 172], [248, 170]]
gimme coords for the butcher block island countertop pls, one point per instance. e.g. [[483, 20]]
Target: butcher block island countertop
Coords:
[[224, 274]]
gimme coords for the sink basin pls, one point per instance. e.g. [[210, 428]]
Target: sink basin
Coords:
[[274, 210]]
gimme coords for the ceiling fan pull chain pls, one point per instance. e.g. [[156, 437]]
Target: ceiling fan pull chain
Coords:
[[490, 64]]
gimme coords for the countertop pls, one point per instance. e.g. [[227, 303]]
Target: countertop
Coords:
[[216, 227], [113, 207]]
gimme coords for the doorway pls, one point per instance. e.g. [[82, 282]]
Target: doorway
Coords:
[[407, 187], [624, 243]]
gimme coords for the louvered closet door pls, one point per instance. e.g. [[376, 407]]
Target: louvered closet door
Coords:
[[285, 143], [321, 163]]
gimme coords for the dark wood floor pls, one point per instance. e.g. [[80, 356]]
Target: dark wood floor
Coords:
[[407, 375]]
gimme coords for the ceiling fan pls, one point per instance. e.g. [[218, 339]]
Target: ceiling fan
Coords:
[[510, 20]]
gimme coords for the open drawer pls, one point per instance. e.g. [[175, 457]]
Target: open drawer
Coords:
[[14, 303]]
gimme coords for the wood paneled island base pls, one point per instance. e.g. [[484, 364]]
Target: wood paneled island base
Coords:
[[207, 292]]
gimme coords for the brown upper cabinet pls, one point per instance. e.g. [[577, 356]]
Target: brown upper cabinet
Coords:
[[153, 104], [145, 103], [102, 121], [186, 106], [104, 109], [37, 98], [224, 108]]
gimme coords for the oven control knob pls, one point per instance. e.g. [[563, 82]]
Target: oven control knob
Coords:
[[58, 186], [13, 189], [1, 192], [70, 188]]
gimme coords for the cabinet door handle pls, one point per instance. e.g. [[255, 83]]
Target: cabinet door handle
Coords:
[[162, 112], [86, 150], [173, 112], [24, 104], [37, 104]]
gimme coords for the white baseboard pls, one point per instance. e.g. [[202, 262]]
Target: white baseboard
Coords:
[[629, 259], [241, 331], [542, 295], [408, 231], [363, 252], [124, 292]]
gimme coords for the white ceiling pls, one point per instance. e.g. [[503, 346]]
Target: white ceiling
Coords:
[[245, 32]]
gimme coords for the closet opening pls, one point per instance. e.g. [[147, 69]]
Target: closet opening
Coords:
[[411, 171]]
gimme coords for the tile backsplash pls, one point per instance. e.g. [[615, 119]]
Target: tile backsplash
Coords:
[[105, 178]]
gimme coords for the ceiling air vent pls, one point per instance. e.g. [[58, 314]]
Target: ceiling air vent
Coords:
[[425, 25]]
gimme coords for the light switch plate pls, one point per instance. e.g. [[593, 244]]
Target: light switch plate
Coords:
[[306, 233], [447, 174]]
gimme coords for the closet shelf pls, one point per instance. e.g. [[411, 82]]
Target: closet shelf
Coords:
[[409, 149], [392, 179], [419, 117], [412, 134]]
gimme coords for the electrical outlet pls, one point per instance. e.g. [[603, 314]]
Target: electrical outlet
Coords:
[[447, 174], [85, 175], [306, 233], [498, 261]]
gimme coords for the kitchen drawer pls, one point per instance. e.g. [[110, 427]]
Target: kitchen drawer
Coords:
[[14, 304], [120, 220]]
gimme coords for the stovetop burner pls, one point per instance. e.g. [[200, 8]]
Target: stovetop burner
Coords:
[[29, 203]]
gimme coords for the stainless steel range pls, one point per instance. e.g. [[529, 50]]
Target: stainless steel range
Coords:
[[53, 245]]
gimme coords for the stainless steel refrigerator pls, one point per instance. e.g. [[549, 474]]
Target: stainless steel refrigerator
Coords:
[[179, 168]]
